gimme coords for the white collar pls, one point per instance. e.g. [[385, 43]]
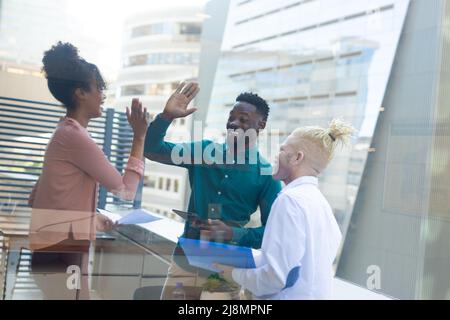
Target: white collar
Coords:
[[302, 180]]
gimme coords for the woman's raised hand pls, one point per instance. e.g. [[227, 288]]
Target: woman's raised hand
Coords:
[[138, 118]]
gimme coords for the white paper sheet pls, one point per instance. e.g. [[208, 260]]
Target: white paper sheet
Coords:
[[137, 216]]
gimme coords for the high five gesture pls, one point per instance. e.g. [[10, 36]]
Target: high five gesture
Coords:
[[177, 105]]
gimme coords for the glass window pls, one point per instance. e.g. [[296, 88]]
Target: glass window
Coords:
[[153, 58], [176, 186], [157, 28], [195, 59], [313, 61], [190, 28], [152, 89], [140, 31], [139, 60], [152, 184], [133, 90], [147, 30], [164, 58], [178, 58]]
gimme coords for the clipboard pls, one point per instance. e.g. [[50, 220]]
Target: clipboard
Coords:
[[203, 254]]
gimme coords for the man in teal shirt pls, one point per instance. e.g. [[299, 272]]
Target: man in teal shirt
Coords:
[[228, 181]]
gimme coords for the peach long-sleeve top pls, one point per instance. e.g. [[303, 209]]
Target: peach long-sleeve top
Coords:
[[66, 192]]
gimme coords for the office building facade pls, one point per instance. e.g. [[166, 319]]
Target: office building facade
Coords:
[[379, 65], [29, 28]]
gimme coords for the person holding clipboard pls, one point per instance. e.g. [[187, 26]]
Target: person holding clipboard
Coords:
[[302, 236], [229, 181]]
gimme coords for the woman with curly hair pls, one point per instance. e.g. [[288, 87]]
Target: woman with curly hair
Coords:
[[64, 198]]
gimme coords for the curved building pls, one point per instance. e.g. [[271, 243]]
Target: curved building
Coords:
[[160, 49]]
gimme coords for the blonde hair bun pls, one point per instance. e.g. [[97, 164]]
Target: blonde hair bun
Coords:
[[340, 131], [320, 143]]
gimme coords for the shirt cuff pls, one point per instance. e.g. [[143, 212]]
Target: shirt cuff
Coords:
[[136, 165], [238, 233], [237, 275]]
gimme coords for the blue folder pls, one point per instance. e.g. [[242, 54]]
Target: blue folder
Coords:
[[203, 254]]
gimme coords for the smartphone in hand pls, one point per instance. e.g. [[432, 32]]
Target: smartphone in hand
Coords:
[[193, 218], [198, 222]]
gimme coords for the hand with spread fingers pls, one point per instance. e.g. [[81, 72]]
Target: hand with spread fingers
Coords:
[[138, 118], [177, 105]]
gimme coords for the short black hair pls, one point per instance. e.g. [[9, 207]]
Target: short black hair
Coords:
[[66, 71], [252, 98]]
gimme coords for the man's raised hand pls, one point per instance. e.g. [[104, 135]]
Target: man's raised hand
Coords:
[[177, 105]]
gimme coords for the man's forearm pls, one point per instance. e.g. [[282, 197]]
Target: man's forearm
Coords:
[[154, 140], [248, 237]]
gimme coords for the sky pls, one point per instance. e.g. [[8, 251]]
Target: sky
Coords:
[[103, 21]]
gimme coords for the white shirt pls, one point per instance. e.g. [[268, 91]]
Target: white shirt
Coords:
[[301, 232]]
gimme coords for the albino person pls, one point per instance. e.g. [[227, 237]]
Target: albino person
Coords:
[[302, 236]]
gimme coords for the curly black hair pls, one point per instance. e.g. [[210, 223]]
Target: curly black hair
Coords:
[[252, 98], [66, 71]]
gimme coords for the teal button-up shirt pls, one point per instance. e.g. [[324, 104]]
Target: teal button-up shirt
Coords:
[[220, 189]]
